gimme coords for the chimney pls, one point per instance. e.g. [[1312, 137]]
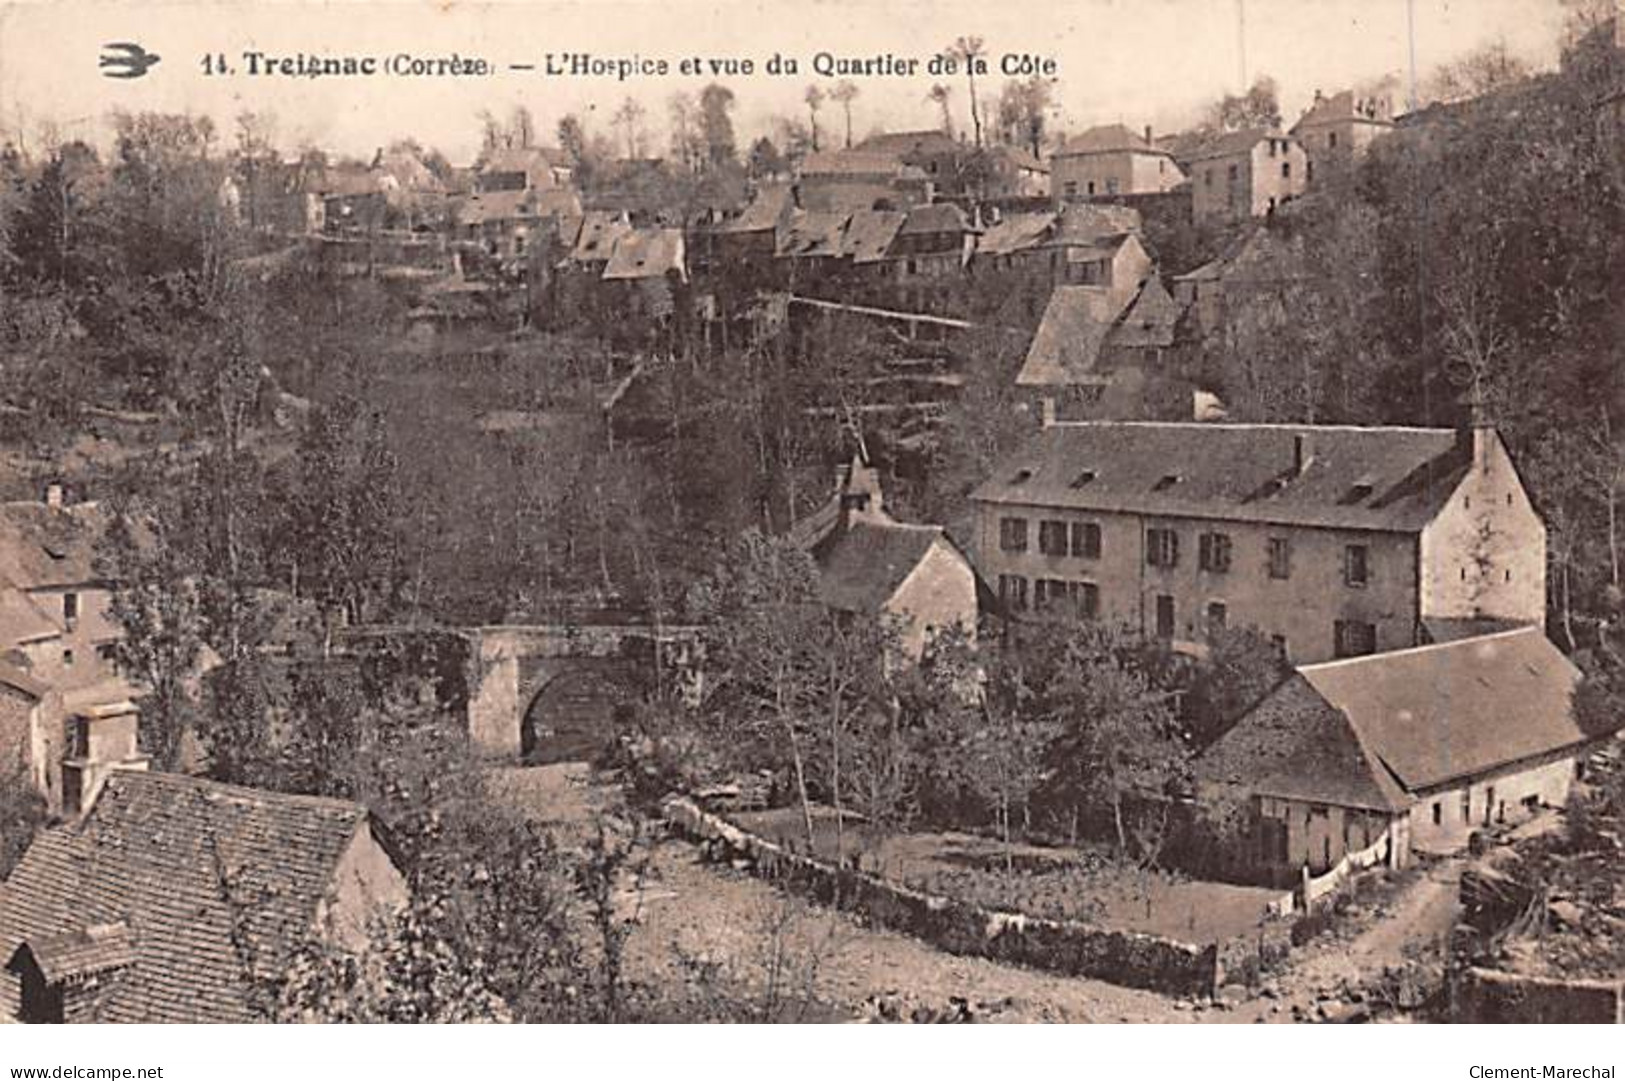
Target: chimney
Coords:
[[53, 495], [1148, 140], [1473, 443], [99, 740], [1047, 412], [1303, 453]]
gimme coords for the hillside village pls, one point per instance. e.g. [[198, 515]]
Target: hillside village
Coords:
[[1111, 575]]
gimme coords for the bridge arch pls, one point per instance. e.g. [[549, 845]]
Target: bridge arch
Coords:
[[571, 714]]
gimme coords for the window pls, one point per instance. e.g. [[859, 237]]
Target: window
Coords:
[[1466, 804], [1354, 638], [1071, 189], [1091, 187], [1111, 185], [1013, 534], [1356, 566], [1231, 174], [1013, 592], [1047, 592], [108, 652], [1161, 548], [1213, 552], [1280, 557], [67, 658], [1331, 140], [1081, 599], [1086, 540], [70, 609], [1438, 813], [1088, 600], [1286, 170], [1279, 642], [1165, 616], [1052, 538], [1218, 615], [1208, 178]]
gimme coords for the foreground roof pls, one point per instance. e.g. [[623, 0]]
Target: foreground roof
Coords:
[[1065, 351], [646, 253], [1390, 479], [189, 866], [1440, 713]]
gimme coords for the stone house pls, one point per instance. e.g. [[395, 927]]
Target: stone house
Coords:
[[1335, 541], [1419, 746], [1336, 131], [871, 564], [1110, 161], [175, 899], [848, 180], [1245, 174]]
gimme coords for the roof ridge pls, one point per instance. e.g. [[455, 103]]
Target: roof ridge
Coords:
[[208, 786], [1321, 666], [1237, 425]]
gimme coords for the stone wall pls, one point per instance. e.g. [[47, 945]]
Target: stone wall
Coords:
[[1072, 949], [1486, 996]]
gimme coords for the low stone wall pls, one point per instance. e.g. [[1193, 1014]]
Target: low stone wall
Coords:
[[1490, 997], [1072, 949], [1246, 958]]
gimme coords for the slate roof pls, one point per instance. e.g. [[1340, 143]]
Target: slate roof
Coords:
[[646, 253], [935, 218], [1294, 745], [766, 210], [1015, 232], [22, 620], [1090, 223], [19, 680], [484, 206], [1109, 139], [1065, 350], [869, 234], [851, 163], [1340, 107], [42, 546], [84, 951], [163, 853], [600, 229], [1150, 320], [909, 143], [864, 566], [1238, 472], [1441, 713], [814, 233], [1231, 143]]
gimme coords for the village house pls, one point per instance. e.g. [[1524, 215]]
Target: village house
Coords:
[[528, 168], [1336, 131], [1245, 174], [929, 254], [1014, 172], [506, 225], [645, 271], [1334, 541], [871, 564], [1111, 160], [1253, 277], [1400, 753], [175, 899], [848, 180]]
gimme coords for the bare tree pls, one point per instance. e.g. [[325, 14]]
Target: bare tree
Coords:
[[845, 92], [969, 51], [939, 96], [815, 101]]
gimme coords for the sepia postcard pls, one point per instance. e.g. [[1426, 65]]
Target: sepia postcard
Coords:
[[813, 511]]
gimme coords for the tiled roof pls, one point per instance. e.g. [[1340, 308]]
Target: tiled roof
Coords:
[[19, 680], [22, 620], [1441, 713], [1341, 107], [1089, 223], [863, 567], [1065, 350], [1390, 479], [1294, 745], [909, 143], [484, 206], [766, 210], [190, 866], [646, 253], [1108, 139]]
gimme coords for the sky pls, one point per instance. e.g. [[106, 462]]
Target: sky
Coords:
[[1139, 62]]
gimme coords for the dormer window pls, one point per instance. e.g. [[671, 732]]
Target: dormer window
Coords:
[[70, 609], [1166, 481], [1086, 477], [1022, 476]]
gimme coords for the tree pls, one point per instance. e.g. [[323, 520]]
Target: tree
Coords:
[[1005, 739], [1240, 668], [814, 97], [969, 52], [1483, 71], [22, 814], [1117, 747], [686, 144], [765, 161], [629, 118], [845, 93], [1258, 107], [716, 126], [1023, 111], [939, 95], [159, 612]]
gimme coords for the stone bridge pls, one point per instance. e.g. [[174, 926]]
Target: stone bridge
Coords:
[[549, 692]]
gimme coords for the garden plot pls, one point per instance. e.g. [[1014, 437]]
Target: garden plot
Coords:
[[1081, 884]]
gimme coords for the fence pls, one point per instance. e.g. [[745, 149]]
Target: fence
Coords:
[[1127, 958]]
